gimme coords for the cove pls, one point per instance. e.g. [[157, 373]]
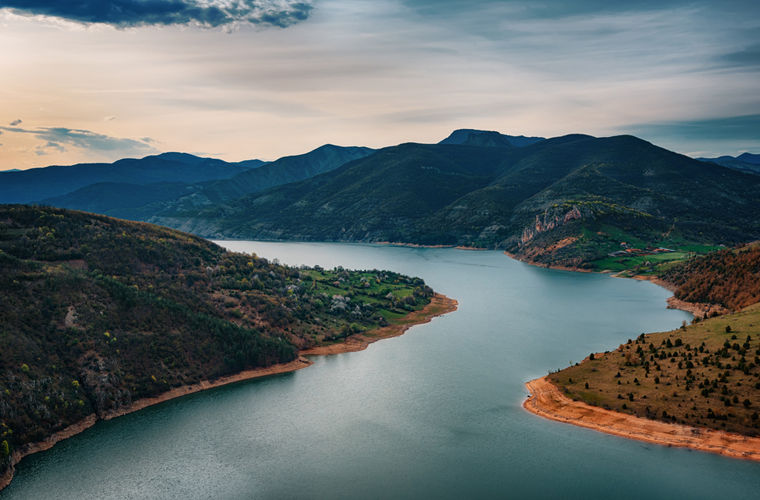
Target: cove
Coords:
[[433, 413]]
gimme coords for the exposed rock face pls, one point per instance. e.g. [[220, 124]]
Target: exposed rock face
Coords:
[[70, 321], [551, 219]]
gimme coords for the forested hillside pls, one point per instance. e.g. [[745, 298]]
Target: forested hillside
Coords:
[[141, 202], [98, 313], [568, 201], [730, 278]]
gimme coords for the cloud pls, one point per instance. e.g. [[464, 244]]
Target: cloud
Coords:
[[207, 13], [44, 149], [15, 122], [747, 58], [706, 137], [745, 127], [56, 139]]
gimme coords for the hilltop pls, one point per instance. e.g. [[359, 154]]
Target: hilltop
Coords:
[[489, 138], [100, 314]]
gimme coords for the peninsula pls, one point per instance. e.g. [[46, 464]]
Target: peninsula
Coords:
[[103, 317], [697, 386]]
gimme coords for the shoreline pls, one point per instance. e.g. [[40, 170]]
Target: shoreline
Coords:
[[696, 309], [547, 400], [438, 306], [547, 266], [417, 245]]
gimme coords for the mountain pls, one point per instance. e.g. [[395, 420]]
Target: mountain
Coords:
[[745, 162], [282, 171], [487, 138], [36, 184], [98, 313], [128, 201], [120, 199], [561, 201]]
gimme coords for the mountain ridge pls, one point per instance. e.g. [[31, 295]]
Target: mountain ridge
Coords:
[[745, 162], [125, 201], [33, 185], [492, 138], [561, 201]]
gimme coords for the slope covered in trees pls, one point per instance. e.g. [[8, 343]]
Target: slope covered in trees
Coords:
[[730, 278], [98, 313], [704, 375], [141, 202], [563, 201]]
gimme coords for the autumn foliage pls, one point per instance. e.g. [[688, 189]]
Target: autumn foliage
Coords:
[[730, 278]]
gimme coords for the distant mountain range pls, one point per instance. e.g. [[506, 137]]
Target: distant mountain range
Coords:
[[128, 201], [564, 201], [745, 162], [24, 186]]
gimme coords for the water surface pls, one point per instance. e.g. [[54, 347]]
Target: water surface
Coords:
[[435, 413]]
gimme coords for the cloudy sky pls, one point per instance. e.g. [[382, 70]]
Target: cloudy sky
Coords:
[[238, 79]]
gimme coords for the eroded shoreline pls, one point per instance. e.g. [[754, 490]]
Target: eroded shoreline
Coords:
[[438, 306], [547, 400]]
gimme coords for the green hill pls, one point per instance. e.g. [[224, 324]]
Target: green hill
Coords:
[[565, 201], [98, 313]]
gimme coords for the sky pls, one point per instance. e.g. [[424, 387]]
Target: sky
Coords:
[[92, 81]]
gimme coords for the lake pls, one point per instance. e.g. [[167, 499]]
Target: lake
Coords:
[[435, 413]]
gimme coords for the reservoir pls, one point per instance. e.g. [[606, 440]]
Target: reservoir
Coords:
[[435, 413]]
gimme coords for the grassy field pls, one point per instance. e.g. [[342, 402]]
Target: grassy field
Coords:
[[645, 264], [705, 374]]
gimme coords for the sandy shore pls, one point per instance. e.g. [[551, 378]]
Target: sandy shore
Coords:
[[546, 400], [438, 306]]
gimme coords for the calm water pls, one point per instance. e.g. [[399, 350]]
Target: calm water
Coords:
[[432, 414]]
